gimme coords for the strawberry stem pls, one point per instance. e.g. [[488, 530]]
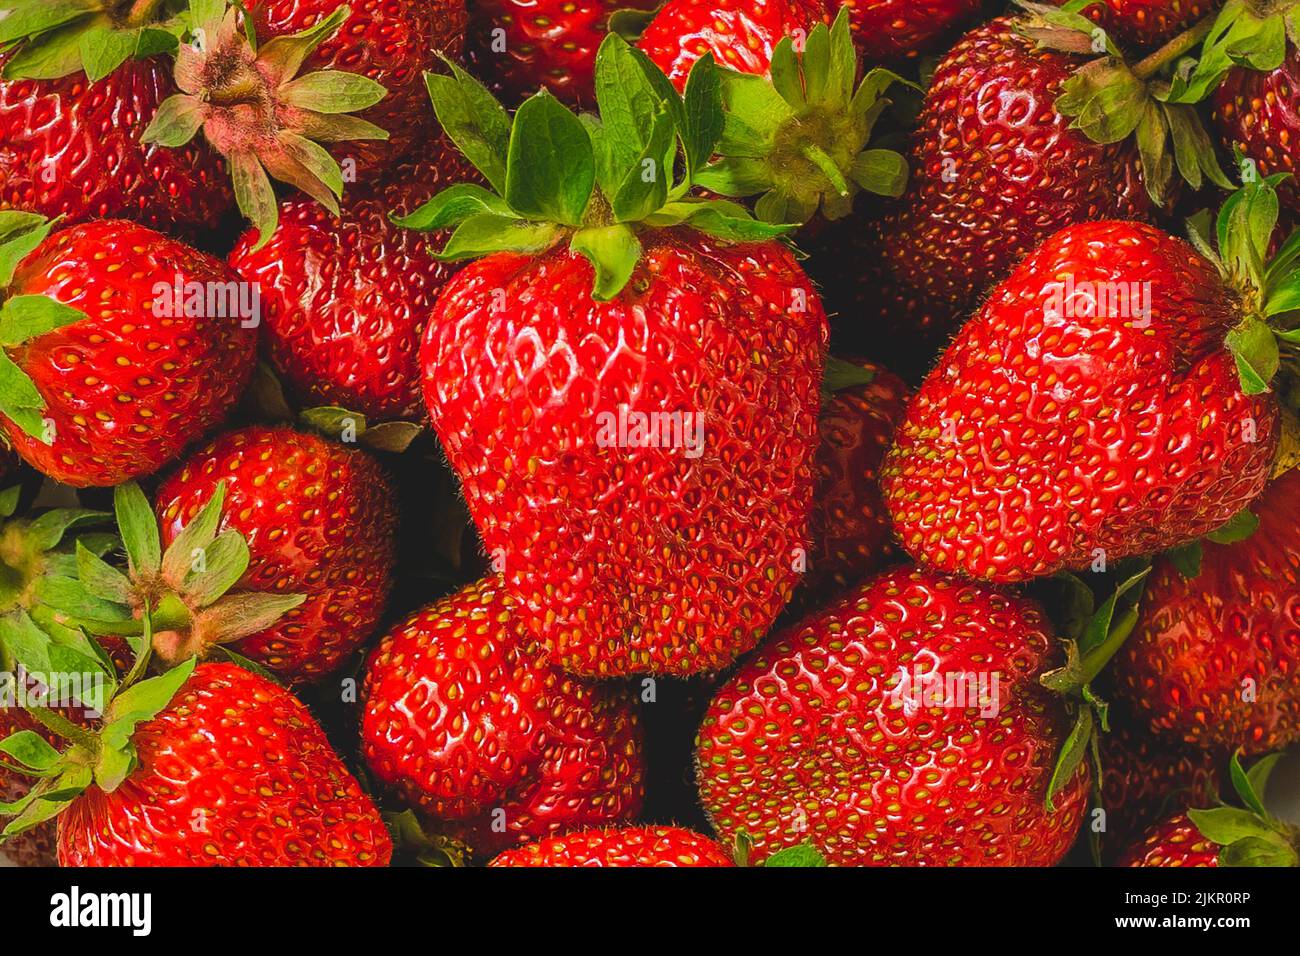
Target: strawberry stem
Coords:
[[1180, 45]]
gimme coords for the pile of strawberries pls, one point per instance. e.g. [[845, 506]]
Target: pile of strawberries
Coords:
[[732, 432]]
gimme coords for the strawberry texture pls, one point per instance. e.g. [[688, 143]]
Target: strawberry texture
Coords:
[[1257, 113], [1173, 843], [629, 847]]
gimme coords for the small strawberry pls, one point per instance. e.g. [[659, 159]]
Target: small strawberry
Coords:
[[1145, 23], [345, 299], [627, 382], [494, 747], [903, 725], [629, 846], [1225, 835], [520, 46], [1091, 410], [1215, 654], [207, 765], [895, 29], [122, 346]]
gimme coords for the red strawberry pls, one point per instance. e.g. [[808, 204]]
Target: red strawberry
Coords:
[[630, 405], [319, 519], [127, 346], [1257, 113], [851, 536], [1214, 658], [345, 299], [230, 771], [1060, 428], [389, 41], [996, 169], [629, 846], [891, 29], [497, 748], [1146, 23], [71, 148], [520, 46], [1174, 842], [832, 733]]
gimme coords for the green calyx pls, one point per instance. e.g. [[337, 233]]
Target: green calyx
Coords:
[[349, 427], [1093, 634], [1264, 342], [48, 39], [1187, 558], [1249, 835], [803, 856], [258, 112], [22, 318], [800, 141], [595, 181], [184, 597], [1246, 33], [1111, 99]]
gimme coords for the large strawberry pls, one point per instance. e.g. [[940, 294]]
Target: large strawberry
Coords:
[[1092, 409], [494, 746], [629, 846], [345, 298], [207, 765], [1215, 656], [627, 383], [121, 346], [903, 725], [1224, 835], [520, 46]]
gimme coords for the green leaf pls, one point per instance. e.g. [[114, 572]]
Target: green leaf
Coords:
[[630, 103], [73, 598], [20, 400], [146, 699], [787, 77], [704, 119], [484, 234], [1255, 349], [551, 169], [1227, 825], [1245, 787], [254, 195], [101, 578], [613, 252], [754, 113], [1240, 527], [25, 642], [1272, 851], [31, 19], [139, 527], [20, 234], [177, 121], [1105, 100], [881, 171], [104, 49], [48, 530], [453, 206], [723, 220], [238, 615], [840, 375], [30, 749], [1072, 753], [58, 54], [26, 317], [804, 856], [1258, 775], [197, 535], [474, 120], [225, 563], [644, 189], [283, 56], [333, 91], [1187, 559]]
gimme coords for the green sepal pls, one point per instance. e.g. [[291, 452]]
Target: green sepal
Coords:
[[453, 206], [1187, 559], [1255, 349], [32, 751], [551, 169], [140, 702], [227, 558], [723, 220], [1072, 754], [613, 252], [804, 856], [473, 120], [1238, 38], [26, 317], [342, 424], [102, 579], [333, 91], [139, 529], [1238, 528], [20, 234], [840, 375], [486, 233], [243, 613], [195, 536]]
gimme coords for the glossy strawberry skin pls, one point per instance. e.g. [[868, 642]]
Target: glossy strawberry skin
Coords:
[[72, 148], [464, 721], [126, 388], [995, 171], [1258, 114], [393, 42], [344, 301], [894, 29], [634, 559], [1048, 436], [1174, 843], [851, 534], [1146, 23], [627, 847], [1202, 643], [320, 520], [741, 35], [549, 44], [234, 772], [807, 742]]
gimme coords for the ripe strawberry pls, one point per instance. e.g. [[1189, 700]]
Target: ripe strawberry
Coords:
[[1214, 657], [628, 846], [851, 536], [125, 347], [497, 748], [1146, 23], [996, 169], [319, 519], [520, 46], [1173, 842], [207, 765], [1255, 113], [893, 29], [345, 299], [668, 549], [1062, 426], [390, 42], [832, 734]]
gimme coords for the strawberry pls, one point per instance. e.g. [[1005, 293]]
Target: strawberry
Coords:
[[628, 846], [1214, 656], [495, 747], [207, 765], [345, 299], [834, 734], [123, 346], [1091, 409], [849, 525], [1224, 835], [521, 46], [1145, 23], [319, 519], [609, 299], [391, 43], [893, 29]]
